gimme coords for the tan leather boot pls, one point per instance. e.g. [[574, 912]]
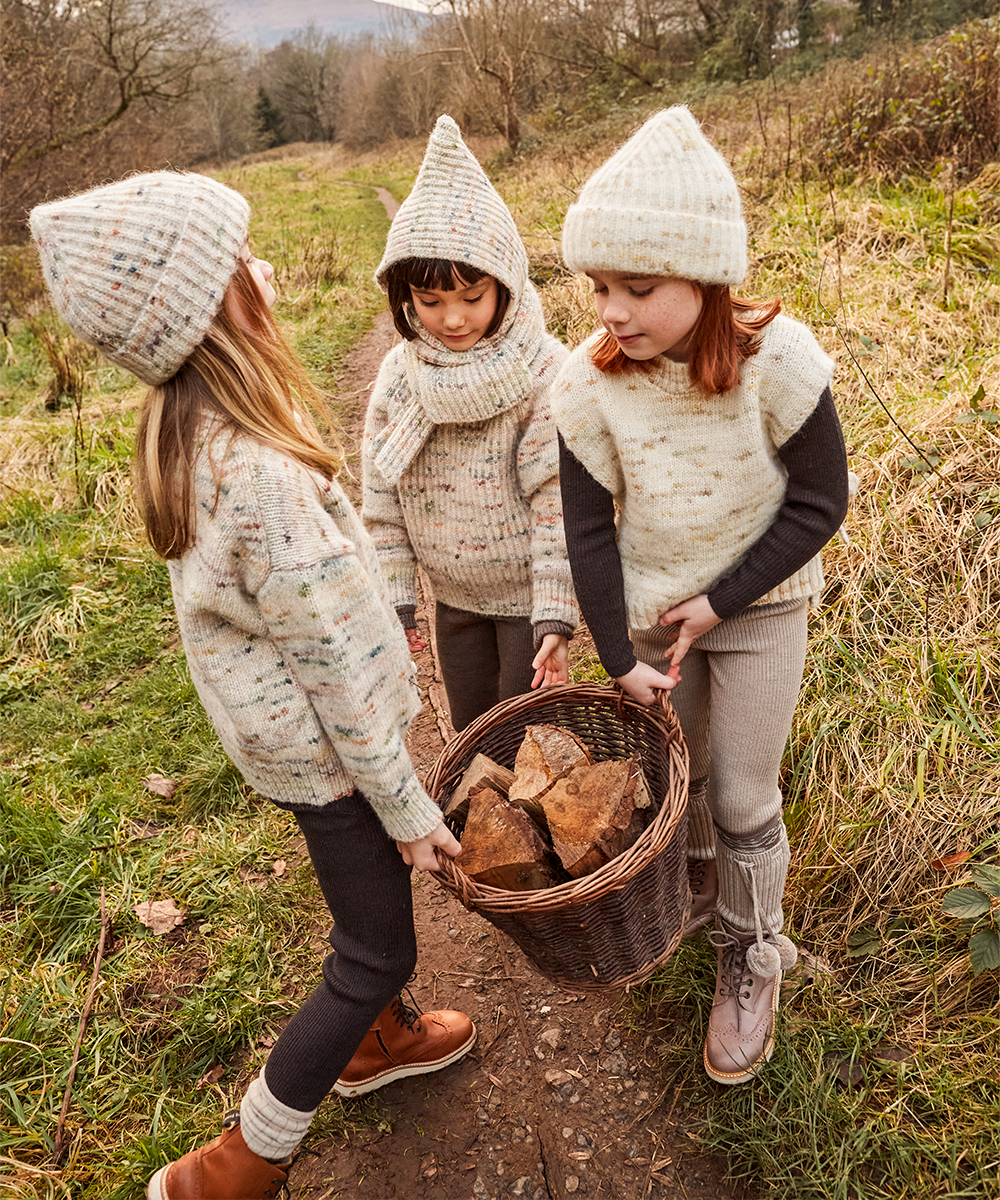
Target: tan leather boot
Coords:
[[703, 880], [404, 1042], [740, 1036], [225, 1169]]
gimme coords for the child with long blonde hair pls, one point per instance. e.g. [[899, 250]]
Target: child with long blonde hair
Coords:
[[292, 643], [703, 469]]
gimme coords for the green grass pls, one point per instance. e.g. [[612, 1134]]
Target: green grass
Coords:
[[884, 1083]]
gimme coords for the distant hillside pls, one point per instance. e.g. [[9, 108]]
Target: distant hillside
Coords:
[[268, 21]]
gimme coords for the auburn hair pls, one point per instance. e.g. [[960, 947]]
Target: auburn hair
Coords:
[[244, 374], [439, 274], [727, 332]]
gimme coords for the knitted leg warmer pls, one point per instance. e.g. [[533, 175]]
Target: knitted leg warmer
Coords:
[[752, 869]]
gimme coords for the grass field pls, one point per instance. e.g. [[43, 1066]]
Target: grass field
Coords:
[[885, 1084]]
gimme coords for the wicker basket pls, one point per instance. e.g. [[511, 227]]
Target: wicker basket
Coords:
[[612, 928]]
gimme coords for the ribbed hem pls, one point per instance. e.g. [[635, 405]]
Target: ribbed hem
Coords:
[[407, 614], [270, 1128], [701, 827], [740, 874], [539, 631]]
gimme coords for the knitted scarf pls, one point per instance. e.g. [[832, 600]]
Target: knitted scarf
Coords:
[[463, 387]]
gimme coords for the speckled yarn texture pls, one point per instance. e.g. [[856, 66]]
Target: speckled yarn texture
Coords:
[[139, 268]]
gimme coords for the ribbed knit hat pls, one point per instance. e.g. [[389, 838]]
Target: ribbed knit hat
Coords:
[[666, 203], [455, 213], [139, 268]]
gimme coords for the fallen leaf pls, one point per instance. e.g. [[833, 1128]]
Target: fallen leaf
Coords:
[[496, 1082], [279, 868], [212, 1077], [160, 915], [950, 860], [160, 785]]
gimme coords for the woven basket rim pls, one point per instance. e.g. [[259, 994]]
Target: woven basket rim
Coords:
[[612, 875]]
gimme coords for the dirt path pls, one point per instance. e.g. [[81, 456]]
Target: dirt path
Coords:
[[557, 1099]]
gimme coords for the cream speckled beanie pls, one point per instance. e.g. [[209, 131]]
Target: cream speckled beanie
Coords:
[[139, 268], [455, 213], [666, 203]]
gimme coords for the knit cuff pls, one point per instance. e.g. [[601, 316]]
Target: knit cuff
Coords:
[[407, 614], [271, 1129], [539, 631]]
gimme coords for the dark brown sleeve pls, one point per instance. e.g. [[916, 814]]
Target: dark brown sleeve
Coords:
[[813, 510], [592, 545]]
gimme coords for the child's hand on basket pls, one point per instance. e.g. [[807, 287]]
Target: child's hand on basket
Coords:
[[693, 618], [551, 663], [421, 854], [643, 682], [415, 641]]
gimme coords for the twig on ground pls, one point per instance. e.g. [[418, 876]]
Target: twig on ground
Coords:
[[58, 1144]]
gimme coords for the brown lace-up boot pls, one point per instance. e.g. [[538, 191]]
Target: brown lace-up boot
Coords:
[[703, 880], [740, 1036], [225, 1169], [405, 1042]]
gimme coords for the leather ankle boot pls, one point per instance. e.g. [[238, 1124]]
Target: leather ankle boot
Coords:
[[405, 1042], [740, 1036], [703, 880], [225, 1169]]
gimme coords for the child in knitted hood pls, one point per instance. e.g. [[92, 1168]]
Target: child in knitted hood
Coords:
[[708, 423], [460, 452], [292, 644]]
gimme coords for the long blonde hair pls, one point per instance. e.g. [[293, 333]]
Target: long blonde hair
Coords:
[[248, 378]]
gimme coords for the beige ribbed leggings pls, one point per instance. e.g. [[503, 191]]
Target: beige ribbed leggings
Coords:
[[739, 686]]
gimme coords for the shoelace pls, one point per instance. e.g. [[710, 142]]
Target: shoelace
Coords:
[[696, 869], [734, 974], [404, 1014]]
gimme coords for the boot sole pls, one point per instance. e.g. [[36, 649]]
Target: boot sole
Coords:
[[403, 1071], [153, 1189], [751, 1069]]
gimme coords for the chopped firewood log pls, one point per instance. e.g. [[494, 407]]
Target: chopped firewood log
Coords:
[[545, 755], [596, 812], [481, 772], [503, 848]]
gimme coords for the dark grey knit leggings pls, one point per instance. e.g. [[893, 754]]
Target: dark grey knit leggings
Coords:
[[367, 889], [483, 660]]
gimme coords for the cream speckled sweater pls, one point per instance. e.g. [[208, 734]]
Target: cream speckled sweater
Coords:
[[478, 506], [292, 643], [696, 478]]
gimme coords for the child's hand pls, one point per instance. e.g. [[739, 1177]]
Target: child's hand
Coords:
[[693, 618], [421, 854], [415, 641], [643, 682], [551, 661]]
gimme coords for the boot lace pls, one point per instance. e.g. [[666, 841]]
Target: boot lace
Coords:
[[735, 977], [696, 870], [407, 1014]]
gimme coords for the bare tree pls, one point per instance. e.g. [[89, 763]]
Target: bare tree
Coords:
[[495, 44], [71, 71], [303, 74]]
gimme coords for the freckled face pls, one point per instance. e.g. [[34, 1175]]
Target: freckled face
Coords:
[[457, 316], [647, 315]]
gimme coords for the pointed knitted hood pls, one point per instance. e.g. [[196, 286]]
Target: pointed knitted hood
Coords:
[[666, 203], [454, 212]]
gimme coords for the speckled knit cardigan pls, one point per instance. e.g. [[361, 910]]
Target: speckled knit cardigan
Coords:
[[696, 478], [293, 646]]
